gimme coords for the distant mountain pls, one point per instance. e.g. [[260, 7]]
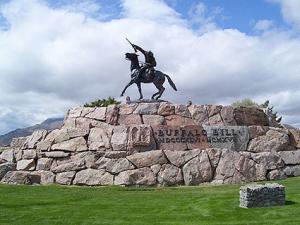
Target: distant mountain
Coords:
[[49, 124]]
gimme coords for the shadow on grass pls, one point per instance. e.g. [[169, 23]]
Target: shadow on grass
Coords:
[[290, 202]]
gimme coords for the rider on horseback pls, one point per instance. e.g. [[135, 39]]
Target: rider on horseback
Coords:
[[149, 65], [146, 73]]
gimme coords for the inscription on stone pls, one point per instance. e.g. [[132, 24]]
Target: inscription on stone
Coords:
[[180, 137], [234, 138]]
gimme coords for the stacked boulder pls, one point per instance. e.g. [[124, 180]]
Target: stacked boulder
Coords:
[[259, 195], [154, 144]]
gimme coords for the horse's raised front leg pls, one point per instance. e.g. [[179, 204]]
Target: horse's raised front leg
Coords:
[[140, 90], [130, 83]]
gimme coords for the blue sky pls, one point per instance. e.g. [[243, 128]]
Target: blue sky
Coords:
[[233, 14], [239, 14], [58, 54], [236, 14]]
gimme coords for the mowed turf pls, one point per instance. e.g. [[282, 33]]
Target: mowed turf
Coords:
[[119, 205]]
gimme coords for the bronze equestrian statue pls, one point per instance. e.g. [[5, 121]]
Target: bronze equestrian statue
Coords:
[[146, 73]]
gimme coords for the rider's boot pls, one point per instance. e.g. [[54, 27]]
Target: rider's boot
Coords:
[[150, 74]]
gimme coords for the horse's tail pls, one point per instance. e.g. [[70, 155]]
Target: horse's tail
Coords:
[[171, 82]]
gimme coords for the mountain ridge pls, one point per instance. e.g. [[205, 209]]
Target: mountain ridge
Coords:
[[48, 124]]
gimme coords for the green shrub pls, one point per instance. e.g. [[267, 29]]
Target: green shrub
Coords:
[[102, 102], [245, 102]]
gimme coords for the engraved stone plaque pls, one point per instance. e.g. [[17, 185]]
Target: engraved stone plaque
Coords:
[[180, 138], [233, 138]]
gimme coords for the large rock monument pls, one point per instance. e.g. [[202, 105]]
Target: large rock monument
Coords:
[[155, 144]]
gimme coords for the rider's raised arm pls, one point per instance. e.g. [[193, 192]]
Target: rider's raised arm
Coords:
[[140, 49]]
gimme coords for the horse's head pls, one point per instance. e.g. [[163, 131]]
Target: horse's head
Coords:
[[131, 56]]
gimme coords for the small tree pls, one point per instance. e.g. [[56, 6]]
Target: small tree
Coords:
[[102, 102], [265, 104], [273, 117]]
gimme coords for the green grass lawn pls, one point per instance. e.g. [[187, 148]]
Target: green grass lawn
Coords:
[[118, 205]]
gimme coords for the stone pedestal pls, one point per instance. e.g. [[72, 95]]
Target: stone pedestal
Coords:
[[155, 143]]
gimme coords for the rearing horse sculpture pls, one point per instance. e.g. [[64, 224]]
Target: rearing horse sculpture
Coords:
[[158, 79]]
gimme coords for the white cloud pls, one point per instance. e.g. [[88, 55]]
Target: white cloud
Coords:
[[155, 10], [25, 109], [264, 25], [290, 10], [55, 58], [204, 17], [82, 6]]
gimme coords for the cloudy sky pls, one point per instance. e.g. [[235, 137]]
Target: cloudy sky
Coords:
[[56, 54]]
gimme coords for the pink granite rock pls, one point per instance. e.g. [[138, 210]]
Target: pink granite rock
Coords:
[[227, 114], [169, 175], [295, 137], [248, 116], [132, 119], [153, 120], [147, 159], [199, 114], [166, 109], [175, 120]]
